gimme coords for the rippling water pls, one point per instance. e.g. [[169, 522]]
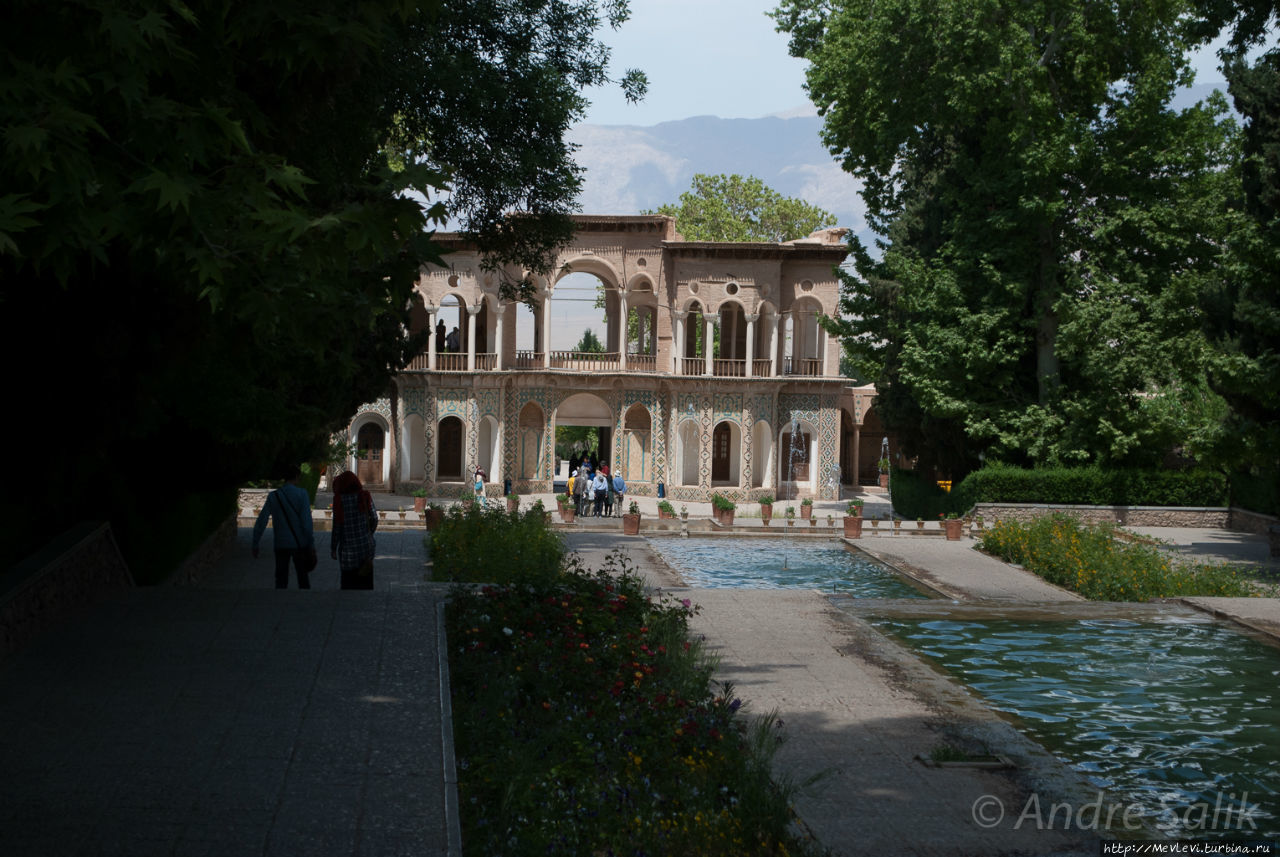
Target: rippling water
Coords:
[[714, 563], [1181, 717]]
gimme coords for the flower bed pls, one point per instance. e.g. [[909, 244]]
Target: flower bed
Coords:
[[587, 723], [1087, 559]]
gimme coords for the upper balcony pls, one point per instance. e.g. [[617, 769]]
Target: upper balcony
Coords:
[[589, 362]]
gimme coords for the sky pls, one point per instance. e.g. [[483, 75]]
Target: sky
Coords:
[[716, 57]]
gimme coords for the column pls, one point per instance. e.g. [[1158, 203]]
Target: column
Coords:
[[546, 330], [678, 319], [708, 343], [497, 348], [751, 340], [773, 345], [622, 330], [431, 326], [472, 312]]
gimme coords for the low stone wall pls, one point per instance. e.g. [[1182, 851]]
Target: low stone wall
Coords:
[[79, 568], [1219, 517], [210, 551], [1245, 521]]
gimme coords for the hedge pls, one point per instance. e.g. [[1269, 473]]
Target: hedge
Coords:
[[914, 496], [1257, 492]]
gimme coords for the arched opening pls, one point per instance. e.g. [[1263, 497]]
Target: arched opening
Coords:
[[642, 325], [762, 454], [529, 450], [449, 450], [488, 458], [796, 462], [726, 453], [371, 442], [453, 321], [871, 447], [804, 339], [637, 439], [687, 452], [584, 429], [585, 316], [528, 334], [413, 453]]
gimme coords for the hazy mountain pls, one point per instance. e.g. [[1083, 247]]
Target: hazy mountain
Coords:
[[632, 168]]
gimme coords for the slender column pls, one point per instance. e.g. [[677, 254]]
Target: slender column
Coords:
[[431, 326], [678, 366], [622, 330], [546, 330], [472, 312], [497, 333], [773, 343], [708, 343], [751, 341]]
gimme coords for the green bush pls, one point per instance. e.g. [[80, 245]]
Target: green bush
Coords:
[[722, 503], [477, 545], [1087, 559], [1091, 486], [1257, 492]]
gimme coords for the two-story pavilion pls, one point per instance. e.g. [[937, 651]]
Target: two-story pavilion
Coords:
[[716, 376]]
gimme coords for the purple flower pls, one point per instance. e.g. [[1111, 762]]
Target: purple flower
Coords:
[[686, 602]]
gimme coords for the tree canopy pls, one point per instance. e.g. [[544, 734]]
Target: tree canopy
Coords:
[[1045, 219], [733, 208], [212, 216]]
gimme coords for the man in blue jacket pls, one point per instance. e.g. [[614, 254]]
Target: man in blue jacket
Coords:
[[289, 508]]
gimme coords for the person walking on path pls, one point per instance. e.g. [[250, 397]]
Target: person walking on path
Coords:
[[354, 520], [581, 487], [600, 488], [289, 508]]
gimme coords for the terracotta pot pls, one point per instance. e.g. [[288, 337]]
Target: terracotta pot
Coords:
[[566, 514], [433, 517], [766, 513], [884, 480], [953, 526], [852, 527], [664, 515], [631, 525], [726, 517], [419, 503], [806, 511], [513, 505]]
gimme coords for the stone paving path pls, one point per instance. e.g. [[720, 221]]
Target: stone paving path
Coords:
[[233, 720]]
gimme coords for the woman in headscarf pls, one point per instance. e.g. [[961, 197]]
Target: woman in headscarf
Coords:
[[354, 520]]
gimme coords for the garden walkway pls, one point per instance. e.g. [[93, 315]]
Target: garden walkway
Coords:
[[233, 719]]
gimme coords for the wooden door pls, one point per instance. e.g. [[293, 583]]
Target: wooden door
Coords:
[[369, 446], [720, 453]]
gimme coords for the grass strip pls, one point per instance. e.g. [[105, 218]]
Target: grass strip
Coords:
[[1088, 559]]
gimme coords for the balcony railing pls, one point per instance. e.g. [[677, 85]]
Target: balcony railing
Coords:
[[802, 366], [486, 362], [761, 368], [527, 360], [585, 361], [451, 362], [691, 365], [729, 368], [642, 362]]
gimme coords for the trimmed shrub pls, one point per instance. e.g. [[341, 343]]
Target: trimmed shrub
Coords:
[[477, 545], [1092, 486], [1257, 492]]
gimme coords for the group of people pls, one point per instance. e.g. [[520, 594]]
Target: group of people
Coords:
[[446, 344], [351, 543], [596, 492]]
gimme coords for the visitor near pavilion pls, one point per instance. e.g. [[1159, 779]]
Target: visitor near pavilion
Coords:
[[289, 508]]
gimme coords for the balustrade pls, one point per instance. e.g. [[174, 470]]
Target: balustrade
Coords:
[[586, 361]]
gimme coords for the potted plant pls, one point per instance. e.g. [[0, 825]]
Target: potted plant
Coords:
[[419, 499], [631, 520], [541, 510], [853, 519], [513, 502], [952, 524], [665, 510], [432, 515], [919, 523], [806, 507], [403, 510], [883, 466], [724, 509], [766, 509], [567, 513], [791, 516]]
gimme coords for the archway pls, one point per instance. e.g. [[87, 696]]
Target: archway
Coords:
[[449, 450], [762, 454], [584, 427], [413, 454], [797, 470], [529, 450], [688, 452], [371, 459], [726, 453], [488, 458], [637, 437]]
